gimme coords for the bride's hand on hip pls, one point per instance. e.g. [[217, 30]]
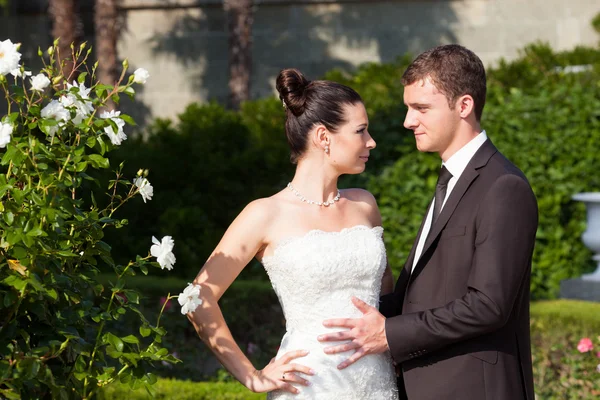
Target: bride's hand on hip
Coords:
[[279, 374]]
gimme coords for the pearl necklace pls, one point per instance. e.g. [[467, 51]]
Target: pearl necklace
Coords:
[[318, 203]]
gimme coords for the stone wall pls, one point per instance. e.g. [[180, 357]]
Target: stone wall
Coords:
[[183, 43]]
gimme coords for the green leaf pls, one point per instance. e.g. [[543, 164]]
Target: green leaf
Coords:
[[81, 166], [28, 368], [8, 156], [131, 339], [66, 253], [127, 119], [162, 352], [145, 331], [36, 232], [16, 282], [9, 217], [115, 341], [37, 199], [132, 296], [151, 378], [102, 143], [5, 188], [112, 352], [52, 293], [12, 117], [18, 157], [98, 161], [10, 394], [90, 142], [81, 77], [132, 357]]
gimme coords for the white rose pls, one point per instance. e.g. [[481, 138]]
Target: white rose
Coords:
[[116, 138], [39, 82], [146, 189], [189, 299], [9, 57], [163, 251], [140, 75], [5, 134]]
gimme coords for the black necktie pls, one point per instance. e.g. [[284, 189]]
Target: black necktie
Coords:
[[440, 192]]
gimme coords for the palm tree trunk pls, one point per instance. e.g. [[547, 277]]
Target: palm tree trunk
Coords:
[[67, 27], [105, 20], [239, 20]]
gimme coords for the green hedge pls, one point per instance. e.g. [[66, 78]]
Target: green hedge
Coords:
[[560, 371], [183, 390], [204, 169], [210, 163]]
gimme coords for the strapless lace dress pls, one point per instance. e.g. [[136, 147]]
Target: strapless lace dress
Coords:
[[315, 275]]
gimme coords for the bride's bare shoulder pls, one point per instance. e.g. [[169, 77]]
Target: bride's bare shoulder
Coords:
[[360, 196], [365, 204], [265, 208]]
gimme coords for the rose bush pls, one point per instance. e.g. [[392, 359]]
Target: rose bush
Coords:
[[56, 319]]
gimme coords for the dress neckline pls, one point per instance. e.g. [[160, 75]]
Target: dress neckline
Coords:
[[290, 239]]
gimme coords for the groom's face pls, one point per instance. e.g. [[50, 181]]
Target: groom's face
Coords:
[[430, 117]]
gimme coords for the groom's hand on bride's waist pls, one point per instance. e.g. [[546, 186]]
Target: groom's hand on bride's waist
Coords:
[[367, 334]]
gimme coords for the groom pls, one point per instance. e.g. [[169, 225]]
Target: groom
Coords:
[[457, 324]]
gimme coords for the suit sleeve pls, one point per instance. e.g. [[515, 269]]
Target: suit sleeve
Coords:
[[388, 305], [506, 226]]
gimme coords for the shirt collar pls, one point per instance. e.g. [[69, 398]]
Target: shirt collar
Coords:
[[459, 160]]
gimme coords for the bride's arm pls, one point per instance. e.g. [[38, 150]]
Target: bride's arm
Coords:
[[387, 280], [242, 240]]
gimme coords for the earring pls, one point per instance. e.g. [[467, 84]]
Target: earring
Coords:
[[326, 149]]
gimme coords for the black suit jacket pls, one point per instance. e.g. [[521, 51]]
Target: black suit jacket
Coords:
[[459, 323]]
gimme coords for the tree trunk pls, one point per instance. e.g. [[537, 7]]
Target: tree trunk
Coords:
[[239, 20], [105, 19], [67, 27]]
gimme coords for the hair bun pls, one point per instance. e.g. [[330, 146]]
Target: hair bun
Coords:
[[291, 85]]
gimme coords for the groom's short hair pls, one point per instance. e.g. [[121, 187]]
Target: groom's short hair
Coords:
[[454, 70]]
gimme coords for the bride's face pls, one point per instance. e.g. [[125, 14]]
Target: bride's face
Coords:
[[351, 144]]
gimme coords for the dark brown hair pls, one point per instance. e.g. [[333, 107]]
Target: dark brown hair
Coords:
[[454, 70], [308, 103]]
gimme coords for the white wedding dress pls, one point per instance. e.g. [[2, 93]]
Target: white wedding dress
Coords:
[[315, 275]]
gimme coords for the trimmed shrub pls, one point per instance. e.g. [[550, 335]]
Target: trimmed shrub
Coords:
[[183, 390], [546, 121], [560, 371]]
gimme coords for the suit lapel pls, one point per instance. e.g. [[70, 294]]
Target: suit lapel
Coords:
[[480, 159]]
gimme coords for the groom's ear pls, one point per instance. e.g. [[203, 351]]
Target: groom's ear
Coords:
[[465, 105]]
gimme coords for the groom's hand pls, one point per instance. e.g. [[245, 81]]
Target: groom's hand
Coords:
[[367, 334]]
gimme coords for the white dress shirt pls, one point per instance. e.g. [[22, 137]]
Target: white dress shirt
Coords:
[[455, 165]]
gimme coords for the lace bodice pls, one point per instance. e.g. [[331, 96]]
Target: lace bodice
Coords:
[[315, 276]]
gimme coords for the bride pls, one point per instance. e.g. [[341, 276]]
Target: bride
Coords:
[[320, 247]]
